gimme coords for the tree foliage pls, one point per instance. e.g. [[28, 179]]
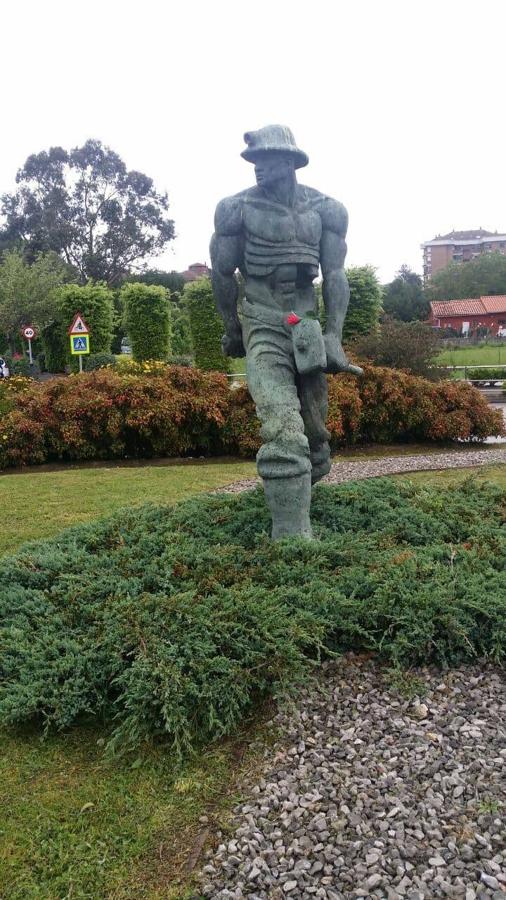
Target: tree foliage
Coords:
[[148, 320], [173, 281], [404, 299], [28, 292], [365, 302], [86, 206], [411, 346], [206, 326], [483, 276]]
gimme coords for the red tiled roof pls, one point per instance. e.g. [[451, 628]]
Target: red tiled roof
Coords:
[[494, 304], [479, 307], [457, 308]]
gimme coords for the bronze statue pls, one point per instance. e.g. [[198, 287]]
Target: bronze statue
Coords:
[[278, 234]]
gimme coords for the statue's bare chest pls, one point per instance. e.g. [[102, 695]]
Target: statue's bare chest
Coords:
[[275, 223], [277, 235]]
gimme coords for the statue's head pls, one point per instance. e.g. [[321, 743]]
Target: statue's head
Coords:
[[274, 152], [273, 167]]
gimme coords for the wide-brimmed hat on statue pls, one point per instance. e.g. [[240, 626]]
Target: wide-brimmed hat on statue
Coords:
[[273, 139]]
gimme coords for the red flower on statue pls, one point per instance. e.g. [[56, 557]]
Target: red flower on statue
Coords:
[[292, 319]]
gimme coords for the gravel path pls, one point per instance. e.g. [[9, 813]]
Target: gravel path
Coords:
[[392, 465], [368, 794]]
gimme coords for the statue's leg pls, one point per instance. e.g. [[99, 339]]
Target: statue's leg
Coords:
[[313, 393], [283, 459]]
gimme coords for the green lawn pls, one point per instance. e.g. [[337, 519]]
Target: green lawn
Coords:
[[72, 824], [41, 503], [75, 826], [479, 355]]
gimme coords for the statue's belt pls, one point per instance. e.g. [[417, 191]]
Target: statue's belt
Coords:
[[264, 314]]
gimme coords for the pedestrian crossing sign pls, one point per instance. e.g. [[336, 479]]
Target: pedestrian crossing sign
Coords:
[[79, 344]]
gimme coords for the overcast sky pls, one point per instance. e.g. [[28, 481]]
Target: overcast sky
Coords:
[[401, 106]]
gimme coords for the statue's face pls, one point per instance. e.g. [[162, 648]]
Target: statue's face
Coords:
[[272, 167]]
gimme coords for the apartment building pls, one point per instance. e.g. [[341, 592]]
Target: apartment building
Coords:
[[459, 246]]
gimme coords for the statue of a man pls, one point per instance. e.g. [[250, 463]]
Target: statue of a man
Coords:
[[278, 234]]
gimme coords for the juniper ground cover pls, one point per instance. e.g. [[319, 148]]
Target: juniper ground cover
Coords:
[[173, 621]]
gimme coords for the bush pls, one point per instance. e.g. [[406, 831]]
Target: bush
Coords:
[[183, 360], [397, 406], [383, 406], [490, 373], [174, 622], [105, 415], [141, 410], [411, 346], [10, 389], [20, 367], [147, 318], [206, 326], [99, 361]]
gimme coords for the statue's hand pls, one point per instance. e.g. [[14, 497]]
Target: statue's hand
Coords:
[[337, 361], [232, 343]]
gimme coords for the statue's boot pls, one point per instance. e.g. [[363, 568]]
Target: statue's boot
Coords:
[[289, 500]]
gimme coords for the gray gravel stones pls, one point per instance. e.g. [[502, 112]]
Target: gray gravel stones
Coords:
[[363, 797], [393, 465]]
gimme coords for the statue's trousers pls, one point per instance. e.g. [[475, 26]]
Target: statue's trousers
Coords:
[[292, 408]]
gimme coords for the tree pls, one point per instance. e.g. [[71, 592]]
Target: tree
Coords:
[[411, 346], [365, 302], [483, 276], [206, 326], [28, 293], [173, 281], [404, 299], [147, 318], [84, 205]]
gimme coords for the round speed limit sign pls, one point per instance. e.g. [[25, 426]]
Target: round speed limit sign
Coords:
[[29, 333]]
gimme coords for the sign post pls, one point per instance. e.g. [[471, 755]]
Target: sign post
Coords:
[[29, 333], [79, 339]]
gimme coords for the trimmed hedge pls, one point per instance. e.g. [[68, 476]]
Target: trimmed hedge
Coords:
[[206, 326], [488, 374], [173, 622], [95, 303], [147, 318], [164, 410], [365, 302]]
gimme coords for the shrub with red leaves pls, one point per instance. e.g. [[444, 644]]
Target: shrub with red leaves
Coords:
[[176, 411]]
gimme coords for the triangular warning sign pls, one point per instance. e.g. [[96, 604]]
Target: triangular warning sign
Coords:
[[78, 326]]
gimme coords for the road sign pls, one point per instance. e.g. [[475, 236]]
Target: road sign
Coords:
[[79, 344], [78, 326], [29, 332]]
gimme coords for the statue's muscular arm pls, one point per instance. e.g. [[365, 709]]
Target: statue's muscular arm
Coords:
[[226, 256], [335, 288]]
